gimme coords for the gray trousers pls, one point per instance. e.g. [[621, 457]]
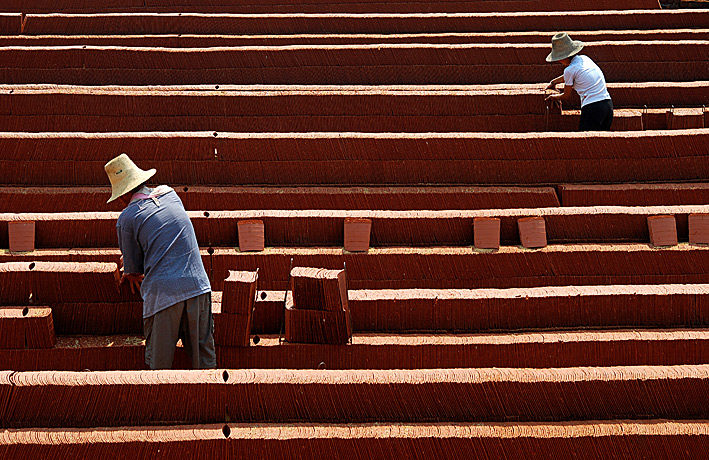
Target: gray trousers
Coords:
[[190, 321]]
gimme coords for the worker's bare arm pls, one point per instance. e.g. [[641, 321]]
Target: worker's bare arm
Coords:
[[563, 97], [133, 279], [556, 81]]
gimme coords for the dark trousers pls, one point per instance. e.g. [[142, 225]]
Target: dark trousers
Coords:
[[190, 321], [597, 116]]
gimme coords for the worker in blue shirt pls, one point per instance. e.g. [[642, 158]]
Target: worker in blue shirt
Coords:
[[161, 258]]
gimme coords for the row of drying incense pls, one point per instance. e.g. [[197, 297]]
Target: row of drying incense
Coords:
[[322, 6], [444, 268], [392, 64], [390, 441], [558, 121], [381, 23], [92, 199], [283, 101], [214, 40], [397, 310], [195, 198], [253, 230], [215, 158], [316, 295], [521, 349], [456, 310], [48, 399]]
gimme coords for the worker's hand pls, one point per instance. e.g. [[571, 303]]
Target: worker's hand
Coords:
[[120, 263], [133, 279], [554, 97], [551, 86]]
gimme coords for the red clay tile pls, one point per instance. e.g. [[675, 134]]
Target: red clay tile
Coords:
[[663, 230], [357, 233], [685, 119], [21, 235], [232, 327], [699, 228], [319, 289], [532, 232], [251, 235], [317, 307], [232, 330], [316, 326], [239, 292], [486, 232], [23, 327]]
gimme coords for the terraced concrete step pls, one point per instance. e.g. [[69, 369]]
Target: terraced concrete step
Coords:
[[633, 194], [389, 228], [204, 158], [368, 23], [210, 40], [344, 64], [92, 199], [391, 351], [48, 398], [444, 268], [659, 439]]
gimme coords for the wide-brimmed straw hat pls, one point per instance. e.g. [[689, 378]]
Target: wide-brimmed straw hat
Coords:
[[562, 47], [125, 175]]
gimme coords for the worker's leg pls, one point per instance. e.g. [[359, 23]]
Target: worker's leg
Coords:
[[608, 119], [196, 331], [161, 332], [597, 116]]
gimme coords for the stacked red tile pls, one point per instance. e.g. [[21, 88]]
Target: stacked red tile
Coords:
[[317, 309], [532, 232], [21, 236], [663, 230], [486, 232], [23, 327], [232, 327], [357, 234], [251, 235]]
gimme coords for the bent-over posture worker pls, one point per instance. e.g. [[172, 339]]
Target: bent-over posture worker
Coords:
[[583, 75], [161, 258]]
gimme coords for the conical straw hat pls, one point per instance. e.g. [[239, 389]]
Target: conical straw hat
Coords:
[[562, 47], [125, 175]]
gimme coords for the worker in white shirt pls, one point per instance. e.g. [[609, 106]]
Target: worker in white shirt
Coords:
[[584, 76]]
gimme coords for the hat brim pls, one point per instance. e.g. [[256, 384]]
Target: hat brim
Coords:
[[128, 185], [576, 47]]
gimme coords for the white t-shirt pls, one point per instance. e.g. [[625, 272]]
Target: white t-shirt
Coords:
[[587, 79]]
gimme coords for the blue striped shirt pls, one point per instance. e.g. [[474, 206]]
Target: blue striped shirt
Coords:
[[157, 239]]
